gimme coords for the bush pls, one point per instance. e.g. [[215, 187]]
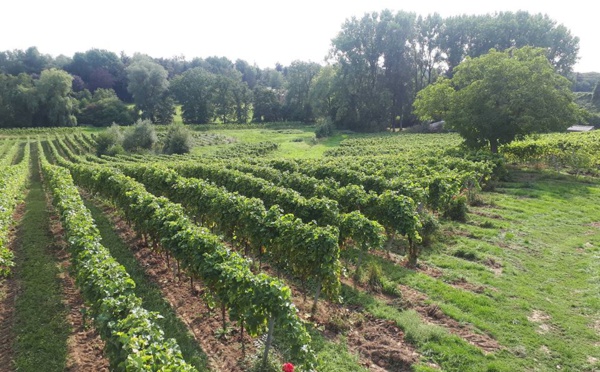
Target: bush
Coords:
[[105, 111], [109, 141], [456, 209], [324, 129], [141, 136], [178, 140], [429, 226]]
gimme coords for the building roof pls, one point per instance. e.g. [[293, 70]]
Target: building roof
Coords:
[[580, 128]]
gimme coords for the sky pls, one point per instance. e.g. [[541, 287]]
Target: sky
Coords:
[[264, 32]]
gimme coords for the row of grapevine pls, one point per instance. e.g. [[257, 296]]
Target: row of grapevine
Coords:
[[396, 212], [12, 183], [305, 250], [134, 342], [251, 299], [416, 145], [10, 152], [322, 210], [578, 151]]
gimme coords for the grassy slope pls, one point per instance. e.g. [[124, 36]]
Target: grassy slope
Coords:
[[41, 329], [543, 306]]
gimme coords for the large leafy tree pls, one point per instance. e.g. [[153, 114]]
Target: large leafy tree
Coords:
[[103, 109], [497, 97], [377, 57], [266, 104], [362, 98], [194, 90], [474, 35], [149, 87], [299, 79], [55, 104], [17, 100], [98, 68]]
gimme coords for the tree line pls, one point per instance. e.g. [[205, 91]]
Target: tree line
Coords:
[[376, 66]]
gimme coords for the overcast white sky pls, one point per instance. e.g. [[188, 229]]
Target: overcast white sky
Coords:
[[260, 31]]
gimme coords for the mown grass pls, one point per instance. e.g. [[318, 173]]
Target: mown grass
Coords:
[[543, 230], [41, 329], [148, 291], [293, 143]]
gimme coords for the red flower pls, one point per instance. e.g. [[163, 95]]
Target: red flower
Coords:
[[288, 367]]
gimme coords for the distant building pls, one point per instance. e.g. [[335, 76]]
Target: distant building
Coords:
[[438, 126], [580, 128]]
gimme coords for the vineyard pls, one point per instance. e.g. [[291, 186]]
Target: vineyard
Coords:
[[397, 252]]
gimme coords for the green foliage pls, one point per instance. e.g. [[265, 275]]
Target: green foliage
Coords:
[[456, 209], [12, 182], [141, 136], [178, 140], [104, 109], [54, 103], [194, 90], [576, 152], [300, 76], [324, 129], [110, 141], [249, 297], [500, 96], [134, 341], [148, 84], [596, 95]]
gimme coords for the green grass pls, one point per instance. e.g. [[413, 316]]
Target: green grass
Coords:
[[548, 242], [293, 143], [149, 292], [41, 329]]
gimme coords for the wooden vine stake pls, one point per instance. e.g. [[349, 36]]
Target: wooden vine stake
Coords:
[[269, 341]]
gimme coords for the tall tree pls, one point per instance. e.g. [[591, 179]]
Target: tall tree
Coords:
[[18, 100], [266, 104], [323, 92], [363, 101], [55, 104], [474, 35], [596, 95], [397, 43], [497, 97], [299, 80], [149, 86], [194, 90], [249, 73], [98, 68]]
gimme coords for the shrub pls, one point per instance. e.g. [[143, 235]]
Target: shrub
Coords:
[[141, 136], [178, 140], [105, 111], [109, 141], [429, 226], [456, 209], [324, 129]]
